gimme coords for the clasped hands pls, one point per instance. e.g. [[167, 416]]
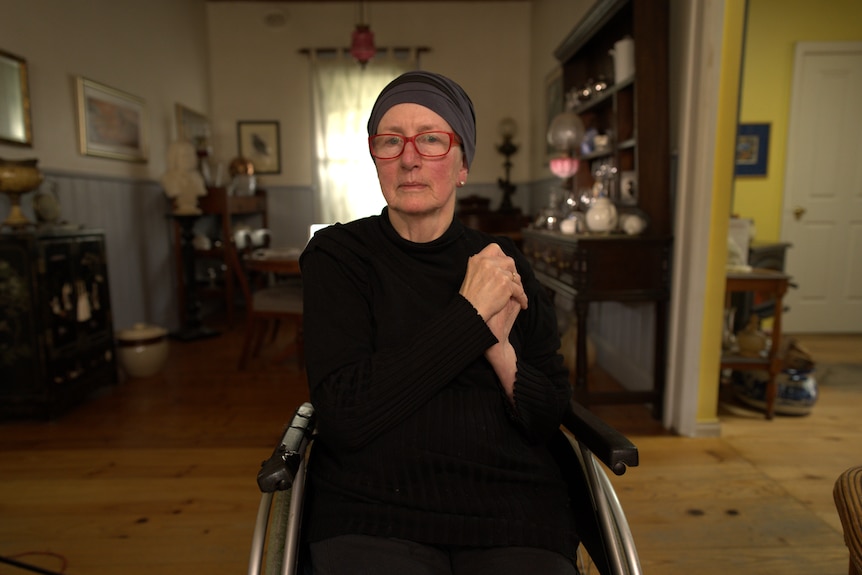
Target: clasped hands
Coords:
[[493, 285]]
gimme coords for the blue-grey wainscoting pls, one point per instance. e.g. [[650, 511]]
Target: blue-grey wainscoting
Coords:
[[134, 216]]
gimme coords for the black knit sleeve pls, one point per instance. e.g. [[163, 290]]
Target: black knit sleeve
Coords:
[[360, 392], [542, 388]]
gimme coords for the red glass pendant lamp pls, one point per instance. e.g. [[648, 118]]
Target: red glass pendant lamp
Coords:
[[362, 44]]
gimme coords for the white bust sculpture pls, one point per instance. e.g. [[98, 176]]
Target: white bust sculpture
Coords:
[[182, 182]]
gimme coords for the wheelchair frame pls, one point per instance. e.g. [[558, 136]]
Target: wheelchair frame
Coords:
[[608, 541]]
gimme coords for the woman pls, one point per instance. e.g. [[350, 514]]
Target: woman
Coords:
[[432, 362]]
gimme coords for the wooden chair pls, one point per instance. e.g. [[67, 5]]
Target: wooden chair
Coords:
[[848, 501], [267, 304]]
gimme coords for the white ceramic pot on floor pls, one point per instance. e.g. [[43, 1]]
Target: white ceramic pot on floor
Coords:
[[142, 350]]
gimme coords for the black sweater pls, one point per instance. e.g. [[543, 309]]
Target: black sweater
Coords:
[[417, 439]]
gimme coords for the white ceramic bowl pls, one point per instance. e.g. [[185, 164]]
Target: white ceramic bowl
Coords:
[[142, 350]]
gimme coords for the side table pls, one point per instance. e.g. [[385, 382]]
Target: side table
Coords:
[[773, 284], [192, 329]]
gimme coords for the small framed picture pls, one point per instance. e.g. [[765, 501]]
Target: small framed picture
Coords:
[[194, 127], [259, 142], [629, 188], [111, 123], [752, 149]]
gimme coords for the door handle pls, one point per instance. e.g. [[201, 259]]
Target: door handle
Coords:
[[798, 212]]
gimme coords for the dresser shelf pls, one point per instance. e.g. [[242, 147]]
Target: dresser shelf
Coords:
[[633, 113], [221, 213]]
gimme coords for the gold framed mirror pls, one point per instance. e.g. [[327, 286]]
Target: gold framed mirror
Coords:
[[15, 126]]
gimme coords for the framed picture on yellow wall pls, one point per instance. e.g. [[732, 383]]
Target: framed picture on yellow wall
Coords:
[[752, 149]]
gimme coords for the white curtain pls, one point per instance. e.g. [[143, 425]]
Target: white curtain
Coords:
[[343, 93]]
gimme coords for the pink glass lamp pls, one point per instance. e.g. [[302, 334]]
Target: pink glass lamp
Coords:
[[362, 42]]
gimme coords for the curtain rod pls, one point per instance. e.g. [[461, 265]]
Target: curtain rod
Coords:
[[418, 49]]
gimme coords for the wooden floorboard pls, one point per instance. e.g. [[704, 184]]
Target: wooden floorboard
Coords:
[[158, 475]]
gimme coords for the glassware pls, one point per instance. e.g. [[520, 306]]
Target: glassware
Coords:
[[549, 218], [564, 166], [566, 132]]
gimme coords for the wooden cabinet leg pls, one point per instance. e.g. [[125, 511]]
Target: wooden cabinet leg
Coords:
[[775, 359], [659, 358], [582, 393]]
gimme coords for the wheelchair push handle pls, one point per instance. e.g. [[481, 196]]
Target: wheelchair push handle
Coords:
[[278, 472]]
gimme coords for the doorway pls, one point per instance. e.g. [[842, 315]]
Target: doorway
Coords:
[[822, 201]]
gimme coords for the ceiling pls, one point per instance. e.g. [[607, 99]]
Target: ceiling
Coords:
[[375, 1]]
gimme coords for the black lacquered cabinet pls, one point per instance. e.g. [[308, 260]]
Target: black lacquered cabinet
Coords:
[[56, 332]]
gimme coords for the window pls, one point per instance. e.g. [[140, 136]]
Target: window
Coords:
[[343, 94]]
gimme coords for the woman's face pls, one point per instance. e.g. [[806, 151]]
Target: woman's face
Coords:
[[412, 185]]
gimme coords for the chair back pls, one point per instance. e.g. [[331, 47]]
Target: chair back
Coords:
[[236, 261], [267, 303]]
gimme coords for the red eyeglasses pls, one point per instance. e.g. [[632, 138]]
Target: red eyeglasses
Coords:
[[428, 144]]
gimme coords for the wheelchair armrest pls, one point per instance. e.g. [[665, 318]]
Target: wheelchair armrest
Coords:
[[277, 472], [609, 445]]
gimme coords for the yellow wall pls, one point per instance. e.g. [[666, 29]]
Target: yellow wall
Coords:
[[734, 16], [773, 28]]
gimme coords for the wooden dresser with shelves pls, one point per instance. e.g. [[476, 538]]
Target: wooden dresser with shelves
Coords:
[[227, 211], [633, 113]]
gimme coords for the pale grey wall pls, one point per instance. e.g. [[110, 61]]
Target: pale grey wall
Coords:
[[154, 49], [222, 60]]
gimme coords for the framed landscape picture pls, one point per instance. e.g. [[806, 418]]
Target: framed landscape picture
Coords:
[[111, 123], [259, 142]]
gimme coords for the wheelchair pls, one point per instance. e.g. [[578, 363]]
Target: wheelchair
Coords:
[[583, 440]]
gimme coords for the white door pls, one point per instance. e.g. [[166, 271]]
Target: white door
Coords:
[[822, 212]]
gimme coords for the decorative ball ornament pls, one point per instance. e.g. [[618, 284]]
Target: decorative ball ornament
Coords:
[[566, 132]]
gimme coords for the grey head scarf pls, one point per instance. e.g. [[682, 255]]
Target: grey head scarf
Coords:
[[437, 93]]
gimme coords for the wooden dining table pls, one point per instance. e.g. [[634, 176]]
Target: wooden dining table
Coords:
[[278, 261]]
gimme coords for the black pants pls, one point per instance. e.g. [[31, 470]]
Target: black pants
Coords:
[[365, 555]]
